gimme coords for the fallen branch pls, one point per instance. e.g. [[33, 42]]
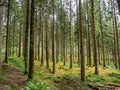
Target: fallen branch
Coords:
[[113, 84], [94, 87], [100, 87]]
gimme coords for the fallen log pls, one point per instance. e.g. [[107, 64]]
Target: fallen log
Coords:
[[94, 87], [101, 87], [113, 84]]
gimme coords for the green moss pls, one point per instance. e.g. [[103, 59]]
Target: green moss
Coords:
[[2, 77]]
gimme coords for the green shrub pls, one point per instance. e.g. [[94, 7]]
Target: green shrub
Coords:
[[34, 85], [2, 77], [18, 62]]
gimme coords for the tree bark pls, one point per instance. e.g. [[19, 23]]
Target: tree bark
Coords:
[[46, 30], [26, 37], [88, 37], [20, 40], [94, 38], [1, 19], [102, 34], [7, 32], [81, 43], [53, 38], [114, 33], [31, 57], [70, 27]]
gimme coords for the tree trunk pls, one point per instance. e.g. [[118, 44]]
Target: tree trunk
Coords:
[[7, 32], [81, 43], [94, 38], [102, 34], [42, 40], [114, 33], [26, 37], [20, 40], [64, 42], [53, 39], [117, 39], [88, 37], [57, 44], [46, 30], [71, 47], [1, 17], [31, 57]]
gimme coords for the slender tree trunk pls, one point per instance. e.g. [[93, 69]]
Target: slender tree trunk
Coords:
[[53, 39], [26, 38], [98, 44], [81, 43], [78, 41], [94, 38], [88, 37], [13, 39], [20, 40], [46, 30], [114, 32], [1, 17], [57, 44], [102, 34], [31, 57], [108, 56], [64, 41], [117, 39], [42, 41], [7, 32], [39, 35], [71, 50]]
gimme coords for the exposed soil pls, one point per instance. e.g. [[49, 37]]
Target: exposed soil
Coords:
[[69, 83], [15, 78]]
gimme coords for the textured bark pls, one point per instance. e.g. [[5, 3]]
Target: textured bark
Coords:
[[81, 43], [1, 17], [31, 57], [53, 38], [78, 40], [114, 33], [88, 37], [70, 28], [39, 35], [57, 44], [64, 42], [36, 35], [7, 32], [94, 38], [98, 49], [117, 39], [26, 37], [42, 42], [42, 37], [20, 41], [102, 34], [13, 38], [46, 30]]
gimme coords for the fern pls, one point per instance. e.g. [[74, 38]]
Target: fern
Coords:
[[33, 85]]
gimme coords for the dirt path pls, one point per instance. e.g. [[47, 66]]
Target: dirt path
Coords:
[[15, 78]]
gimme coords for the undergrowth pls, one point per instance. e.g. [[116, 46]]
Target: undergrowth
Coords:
[[18, 62], [106, 75], [34, 85]]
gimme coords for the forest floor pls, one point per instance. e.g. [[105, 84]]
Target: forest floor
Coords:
[[11, 78], [64, 79]]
